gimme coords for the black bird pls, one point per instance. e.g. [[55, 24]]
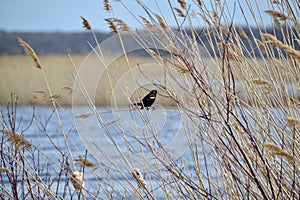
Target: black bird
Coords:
[[148, 100]]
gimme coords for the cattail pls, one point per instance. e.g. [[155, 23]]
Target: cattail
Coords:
[[86, 23], [293, 122], [278, 151], [17, 139], [179, 12], [242, 32], [107, 6], [30, 52], [147, 23], [84, 162], [137, 176], [83, 116], [161, 21], [77, 180], [182, 3]]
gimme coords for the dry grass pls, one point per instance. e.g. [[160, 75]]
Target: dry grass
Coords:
[[16, 71]]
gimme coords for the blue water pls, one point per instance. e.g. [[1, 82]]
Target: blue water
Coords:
[[128, 129]]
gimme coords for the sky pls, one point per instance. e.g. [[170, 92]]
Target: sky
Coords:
[[64, 15]]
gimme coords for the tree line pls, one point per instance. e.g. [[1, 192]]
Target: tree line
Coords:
[[77, 43]]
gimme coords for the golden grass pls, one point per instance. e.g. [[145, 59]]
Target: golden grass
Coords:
[[17, 75]]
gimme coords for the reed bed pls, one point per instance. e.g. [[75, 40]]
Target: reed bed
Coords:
[[238, 146]]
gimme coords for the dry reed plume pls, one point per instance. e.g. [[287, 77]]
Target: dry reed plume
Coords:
[[288, 49], [161, 21], [147, 23], [277, 15], [86, 23], [30, 52], [17, 140], [278, 151], [182, 3], [138, 177], [116, 25], [293, 122], [84, 162], [179, 12], [77, 180], [3, 170], [107, 5]]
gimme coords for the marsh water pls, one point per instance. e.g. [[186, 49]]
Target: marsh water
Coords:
[[114, 139], [84, 135]]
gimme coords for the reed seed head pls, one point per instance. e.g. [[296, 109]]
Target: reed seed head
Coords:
[[17, 140], [179, 12], [30, 51], [277, 15], [82, 116], [84, 162], [278, 151], [147, 22], [293, 122], [267, 83], [77, 180], [116, 24], [288, 49], [162, 23], [3, 170], [107, 6], [242, 32], [182, 3], [86, 23], [261, 46], [137, 176]]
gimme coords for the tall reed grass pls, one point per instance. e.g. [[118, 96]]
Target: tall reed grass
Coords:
[[239, 146]]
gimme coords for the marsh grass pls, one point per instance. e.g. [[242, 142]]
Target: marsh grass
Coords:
[[240, 146]]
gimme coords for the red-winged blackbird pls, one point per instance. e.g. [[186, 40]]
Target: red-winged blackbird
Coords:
[[148, 100]]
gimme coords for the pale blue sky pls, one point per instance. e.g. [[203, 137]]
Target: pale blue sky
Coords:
[[64, 15]]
